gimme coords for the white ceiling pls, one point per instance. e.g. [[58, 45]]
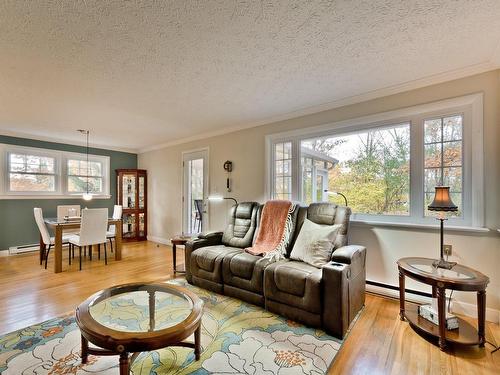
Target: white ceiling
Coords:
[[143, 73]]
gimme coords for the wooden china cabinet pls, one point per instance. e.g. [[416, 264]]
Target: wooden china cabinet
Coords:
[[133, 196]]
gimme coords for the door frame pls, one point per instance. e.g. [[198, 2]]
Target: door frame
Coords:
[[206, 190]]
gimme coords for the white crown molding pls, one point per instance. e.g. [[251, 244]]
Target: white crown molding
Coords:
[[387, 91], [35, 137]]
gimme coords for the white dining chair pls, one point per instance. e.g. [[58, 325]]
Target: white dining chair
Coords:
[[46, 238], [92, 231], [111, 233]]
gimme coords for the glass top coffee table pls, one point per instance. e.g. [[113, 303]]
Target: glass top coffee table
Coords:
[[134, 318]]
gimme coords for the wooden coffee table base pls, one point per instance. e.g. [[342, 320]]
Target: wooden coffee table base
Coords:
[[126, 360]]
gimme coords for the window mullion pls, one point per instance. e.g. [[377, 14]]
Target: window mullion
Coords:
[[417, 157]]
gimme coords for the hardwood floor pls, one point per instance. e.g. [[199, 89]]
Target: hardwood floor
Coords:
[[379, 342]]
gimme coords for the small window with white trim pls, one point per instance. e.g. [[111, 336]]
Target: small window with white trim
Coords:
[[83, 175], [29, 172]]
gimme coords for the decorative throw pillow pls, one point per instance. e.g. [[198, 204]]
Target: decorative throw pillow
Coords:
[[314, 244]]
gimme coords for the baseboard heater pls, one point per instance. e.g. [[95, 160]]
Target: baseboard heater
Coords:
[[23, 249], [393, 287]]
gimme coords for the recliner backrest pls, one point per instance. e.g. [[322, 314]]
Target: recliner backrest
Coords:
[[242, 223], [326, 214]]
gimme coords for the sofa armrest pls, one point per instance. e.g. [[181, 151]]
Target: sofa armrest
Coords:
[[208, 235], [196, 243], [344, 281]]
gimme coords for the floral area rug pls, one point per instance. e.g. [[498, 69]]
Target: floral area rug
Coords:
[[237, 338]]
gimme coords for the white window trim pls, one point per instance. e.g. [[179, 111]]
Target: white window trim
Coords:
[[471, 106], [61, 158]]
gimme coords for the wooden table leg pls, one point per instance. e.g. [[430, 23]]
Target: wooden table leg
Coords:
[[58, 249], [441, 300], [42, 250], [401, 295], [85, 350], [124, 364], [197, 342], [481, 316], [118, 240], [174, 256]]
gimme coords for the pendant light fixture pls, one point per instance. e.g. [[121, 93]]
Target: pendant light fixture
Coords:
[[87, 196]]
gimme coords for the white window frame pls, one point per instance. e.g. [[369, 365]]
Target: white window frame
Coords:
[[469, 106], [61, 158], [104, 160]]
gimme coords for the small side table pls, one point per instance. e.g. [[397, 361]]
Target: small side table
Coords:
[[178, 240], [458, 278]]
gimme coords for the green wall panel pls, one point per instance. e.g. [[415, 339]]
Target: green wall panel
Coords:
[[16, 215]]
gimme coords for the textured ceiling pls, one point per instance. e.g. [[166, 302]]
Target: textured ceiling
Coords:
[[141, 73]]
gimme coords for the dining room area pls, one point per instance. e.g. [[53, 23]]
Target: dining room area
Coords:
[[89, 230]]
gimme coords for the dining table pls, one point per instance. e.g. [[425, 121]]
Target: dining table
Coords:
[[59, 226]]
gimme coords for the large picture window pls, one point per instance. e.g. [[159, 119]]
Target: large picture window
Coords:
[[371, 167], [35, 172], [387, 165]]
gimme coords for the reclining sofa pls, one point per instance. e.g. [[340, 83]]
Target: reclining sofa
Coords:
[[327, 297]]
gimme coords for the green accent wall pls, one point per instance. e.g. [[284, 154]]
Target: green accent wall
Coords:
[[17, 224]]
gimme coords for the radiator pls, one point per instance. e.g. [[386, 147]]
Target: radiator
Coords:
[[23, 249]]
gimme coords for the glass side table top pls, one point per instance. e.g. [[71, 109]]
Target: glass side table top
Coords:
[[148, 308], [458, 273]]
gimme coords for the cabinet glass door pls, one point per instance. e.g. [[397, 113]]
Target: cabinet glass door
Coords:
[[129, 225], [142, 227], [141, 192], [128, 191]]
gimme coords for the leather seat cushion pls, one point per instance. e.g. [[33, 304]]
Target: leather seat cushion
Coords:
[[244, 271], [294, 283], [206, 262]]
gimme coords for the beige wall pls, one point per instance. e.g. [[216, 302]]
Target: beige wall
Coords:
[[385, 245]]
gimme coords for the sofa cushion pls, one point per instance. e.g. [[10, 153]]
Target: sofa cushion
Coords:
[[206, 262], [241, 228], [314, 244], [294, 283], [245, 271]]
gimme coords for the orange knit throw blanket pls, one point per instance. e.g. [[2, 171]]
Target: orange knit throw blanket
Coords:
[[272, 227]]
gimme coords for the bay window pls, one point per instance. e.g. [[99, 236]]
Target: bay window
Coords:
[[387, 164]]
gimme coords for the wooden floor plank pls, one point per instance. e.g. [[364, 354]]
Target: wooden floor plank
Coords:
[[379, 343]]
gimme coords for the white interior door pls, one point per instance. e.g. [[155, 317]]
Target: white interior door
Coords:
[[195, 191]]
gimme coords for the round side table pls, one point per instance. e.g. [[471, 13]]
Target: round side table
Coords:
[[458, 278]]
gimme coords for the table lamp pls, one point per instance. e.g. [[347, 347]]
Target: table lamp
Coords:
[[442, 203]]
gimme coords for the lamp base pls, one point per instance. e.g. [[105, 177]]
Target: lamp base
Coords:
[[441, 263]]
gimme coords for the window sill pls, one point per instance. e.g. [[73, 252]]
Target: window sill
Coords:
[[365, 224], [22, 196]]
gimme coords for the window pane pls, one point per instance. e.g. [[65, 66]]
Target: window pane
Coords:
[[446, 158], [432, 155], [283, 170], [432, 130], [372, 168], [29, 182], [453, 178], [452, 128], [432, 179], [79, 184], [79, 168], [452, 153]]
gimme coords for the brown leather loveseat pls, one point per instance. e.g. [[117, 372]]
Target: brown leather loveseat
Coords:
[[327, 297]]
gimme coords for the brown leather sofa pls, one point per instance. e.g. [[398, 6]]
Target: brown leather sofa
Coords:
[[329, 297]]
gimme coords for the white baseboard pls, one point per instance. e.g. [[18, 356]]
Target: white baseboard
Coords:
[[457, 307], [163, 241]]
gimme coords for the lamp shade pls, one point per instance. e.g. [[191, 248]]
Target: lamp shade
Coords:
[[442, 200]]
